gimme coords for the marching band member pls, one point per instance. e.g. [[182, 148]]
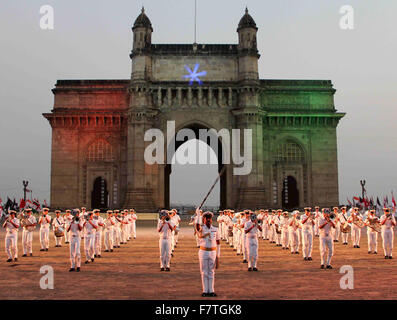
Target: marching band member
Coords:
[[98, 233], [277, 221], [68, 218], [57, 222], [356, 230], [90, 226], [388, 222], [265, 225], [220, 224], [272, 231], [44, 235], [209, 254], [11, 225], [284, 230], [134, 218], [326, 242], [293, 226], [251, 228], [317, 217], [308, 223], [344, 221], [109, 224], [372, 235], [27, 233], [124, 227], [336, 231], [192, 222], [116, 229], [244, 217], [177, 221], [74, 229], [165, 226], [230, 227]]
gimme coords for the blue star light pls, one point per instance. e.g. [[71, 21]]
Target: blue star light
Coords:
[[193, 75]]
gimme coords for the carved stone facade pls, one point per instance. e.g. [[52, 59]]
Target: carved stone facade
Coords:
[[98, 127]]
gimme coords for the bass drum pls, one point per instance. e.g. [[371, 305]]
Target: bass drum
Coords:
[[59, 232], [345, 229], [230, 231]]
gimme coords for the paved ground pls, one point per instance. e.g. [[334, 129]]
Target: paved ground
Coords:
[[132, 272]]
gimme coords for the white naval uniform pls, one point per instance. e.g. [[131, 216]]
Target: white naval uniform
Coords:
[[387, 235], [116, 232], [108, 234], [229, 226], [265, 227], [176, 220], [307, 235], [56, 223], [68, 220], [124, 229], [372, 237], [284, 232], [356, 231], [336, 232], [277, 236], [326, 242], [251, 243], [165, 232], [45, 231], [317, 217], [208, 252], [243, 237], [11, 239], [75, 239], [27, 236], [343, 219], [293, 235], [89, 238], [272, 236], [98, 236], [220, 225], [134, 217]]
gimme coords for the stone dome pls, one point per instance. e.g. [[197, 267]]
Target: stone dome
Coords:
[[142, 21], [246, 21]]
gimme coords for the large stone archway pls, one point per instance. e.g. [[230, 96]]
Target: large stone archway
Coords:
[[229, 96]]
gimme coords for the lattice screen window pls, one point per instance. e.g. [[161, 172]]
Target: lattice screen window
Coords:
[[289, 152], [100, 150]]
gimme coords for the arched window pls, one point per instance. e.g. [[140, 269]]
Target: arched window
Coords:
[[100, 150], [289, 152]]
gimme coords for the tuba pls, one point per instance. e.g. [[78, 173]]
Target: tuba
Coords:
[[375, 225], [360, 224]]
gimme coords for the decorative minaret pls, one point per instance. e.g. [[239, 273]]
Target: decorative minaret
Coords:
[[140, 177], [247, 47], [249, 115]]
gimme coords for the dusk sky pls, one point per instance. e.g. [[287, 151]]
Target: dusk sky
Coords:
[[92, 39]]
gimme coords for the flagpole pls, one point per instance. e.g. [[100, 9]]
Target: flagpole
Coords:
[[195, 21]]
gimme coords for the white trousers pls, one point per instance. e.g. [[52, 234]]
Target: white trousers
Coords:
[[307, 242], [133, 229], [326, 244], [58, 241], [108, 239], [116, 236], [345, 237], [252, 244], [207, 270], [388, 237], [44, 238], [11, 245], [98, 242], [67, 235], [124, 233], [165, 252], [27, 240], [265, 231], [294, 243], [336, 231], [89, 246], [271, 233], [277, 236], [284, 238], [356, 235], [75, 255], [372, 240]]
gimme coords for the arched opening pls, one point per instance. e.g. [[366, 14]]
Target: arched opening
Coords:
[[290, 193], [100, 194], [189, 182]]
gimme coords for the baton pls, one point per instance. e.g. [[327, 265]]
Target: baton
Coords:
[[216, 180]]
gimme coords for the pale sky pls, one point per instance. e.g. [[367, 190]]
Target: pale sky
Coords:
[[92, 39]]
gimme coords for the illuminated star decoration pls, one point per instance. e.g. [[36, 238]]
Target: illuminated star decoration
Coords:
[[193, 75]]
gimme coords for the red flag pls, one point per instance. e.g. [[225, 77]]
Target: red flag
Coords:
[[349, 202], [22, 204], [357, 199]]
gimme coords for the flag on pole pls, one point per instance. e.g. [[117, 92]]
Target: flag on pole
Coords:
[[393, 200], [22, 204], [349, 202]]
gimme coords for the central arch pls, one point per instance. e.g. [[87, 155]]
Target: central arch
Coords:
[[173, 147]]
